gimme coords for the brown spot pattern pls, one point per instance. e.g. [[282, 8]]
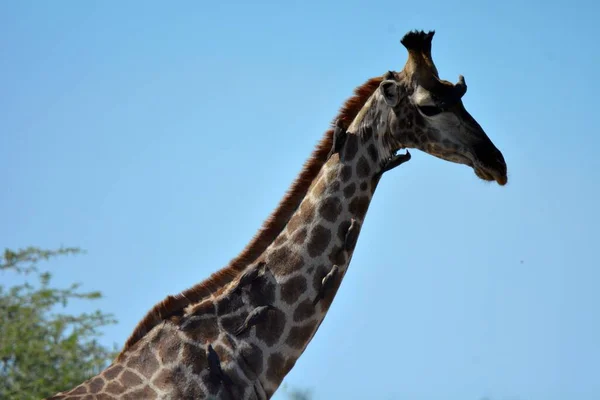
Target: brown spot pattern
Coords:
[[292, 289], [112, 372], [362, 167], [148, 366], [144, 362], [229, 303], [364, 186], [300, 236], [350, 147], [275, 367], [367, 133], [358, 206], [232, 322], [294, 223], [272, 328], [195, 357], [304, 311], [372, 151], [299, 335], [334, 187], [285, 261], [115, 387], [202, 329], [349, 190], [318, 241], [96, 385], [129, 379], [346, 173], [253, 357], [262, 291], [168, 348], [330, 208]]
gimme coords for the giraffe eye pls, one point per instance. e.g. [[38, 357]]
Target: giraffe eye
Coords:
[[430, 111]]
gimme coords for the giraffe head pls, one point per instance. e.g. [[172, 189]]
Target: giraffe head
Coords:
[[427, 113]]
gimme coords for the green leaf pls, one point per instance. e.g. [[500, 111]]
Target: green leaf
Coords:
[[43, 352]]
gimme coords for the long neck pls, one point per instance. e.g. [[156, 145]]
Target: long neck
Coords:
[[310, 257], [243, 340]]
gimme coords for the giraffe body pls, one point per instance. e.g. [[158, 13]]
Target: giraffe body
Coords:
[[240, 340]]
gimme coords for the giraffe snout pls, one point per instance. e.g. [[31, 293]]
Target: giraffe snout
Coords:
[[489, 163]]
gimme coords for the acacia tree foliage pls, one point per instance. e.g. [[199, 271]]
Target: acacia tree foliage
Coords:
[[43, 349]]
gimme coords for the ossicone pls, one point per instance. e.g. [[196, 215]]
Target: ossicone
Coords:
[[419, 41]]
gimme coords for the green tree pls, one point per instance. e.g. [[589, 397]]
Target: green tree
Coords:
[[44, 350]]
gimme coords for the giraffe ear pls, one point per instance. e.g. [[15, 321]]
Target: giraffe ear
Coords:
[[390, 92]]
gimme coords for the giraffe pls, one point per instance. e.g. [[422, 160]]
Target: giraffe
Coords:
[[239, 333]]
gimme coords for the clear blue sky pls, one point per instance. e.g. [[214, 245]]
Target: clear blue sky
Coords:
[[158, 136]]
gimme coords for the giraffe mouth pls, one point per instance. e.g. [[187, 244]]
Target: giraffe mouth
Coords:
[[488, 162], [492, 171], [491, 174]]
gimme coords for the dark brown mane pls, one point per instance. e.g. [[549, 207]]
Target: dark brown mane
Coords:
[[274, 224]]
